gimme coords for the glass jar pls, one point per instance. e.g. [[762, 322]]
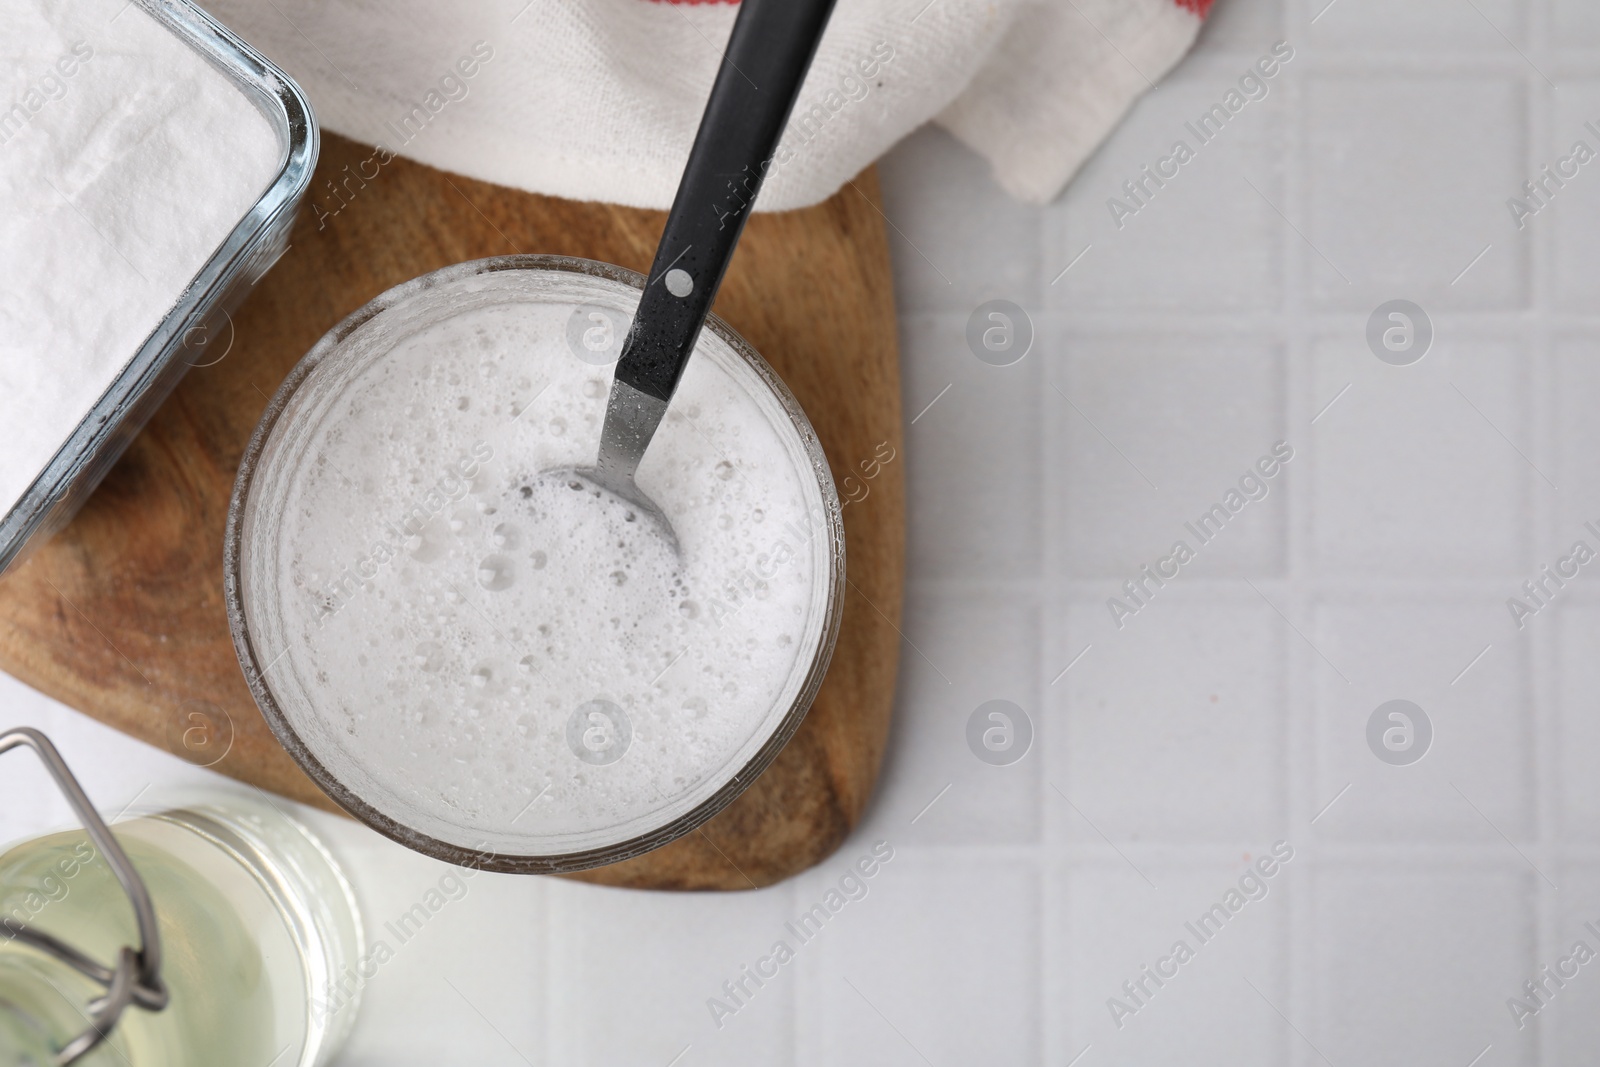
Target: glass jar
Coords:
[[386, 523], [257, 928]]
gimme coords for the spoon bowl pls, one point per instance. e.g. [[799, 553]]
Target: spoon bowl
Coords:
[[612, 489], [631, 421]]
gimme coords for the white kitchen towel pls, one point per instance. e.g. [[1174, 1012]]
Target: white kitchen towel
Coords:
[[599, 99]]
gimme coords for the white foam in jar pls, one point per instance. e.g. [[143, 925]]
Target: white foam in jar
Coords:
[[495, 659]]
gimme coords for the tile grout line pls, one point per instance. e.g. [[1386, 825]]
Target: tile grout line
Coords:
[[1541, 404], [1045, 523], [1298, 741]]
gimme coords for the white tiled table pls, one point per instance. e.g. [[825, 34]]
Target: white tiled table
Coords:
[[1231, 712]]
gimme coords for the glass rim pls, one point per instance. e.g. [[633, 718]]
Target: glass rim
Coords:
[[481, 859]]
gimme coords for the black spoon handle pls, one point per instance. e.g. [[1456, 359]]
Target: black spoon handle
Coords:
[[760, 77]]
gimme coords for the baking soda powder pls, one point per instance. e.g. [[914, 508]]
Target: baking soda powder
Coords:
[[125, 160]]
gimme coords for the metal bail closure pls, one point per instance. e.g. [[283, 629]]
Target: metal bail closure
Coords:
[[136, 977]]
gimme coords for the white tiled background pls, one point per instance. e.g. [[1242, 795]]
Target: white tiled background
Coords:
[[1231, 712]]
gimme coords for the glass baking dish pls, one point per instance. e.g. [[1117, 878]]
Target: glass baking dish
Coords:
[[177, 343]]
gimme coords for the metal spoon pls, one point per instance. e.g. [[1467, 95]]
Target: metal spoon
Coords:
[[768, 54]]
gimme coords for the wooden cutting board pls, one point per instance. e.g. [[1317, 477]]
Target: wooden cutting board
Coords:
[[121, 614]]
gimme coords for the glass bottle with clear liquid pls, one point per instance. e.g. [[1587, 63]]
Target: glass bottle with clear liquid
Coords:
[[257, 927]]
